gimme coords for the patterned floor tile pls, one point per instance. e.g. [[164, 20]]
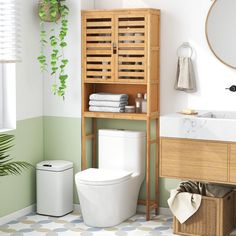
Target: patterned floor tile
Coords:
[[73, 225]]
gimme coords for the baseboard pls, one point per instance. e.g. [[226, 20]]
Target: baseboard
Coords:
[[140, 208], [17, 214]]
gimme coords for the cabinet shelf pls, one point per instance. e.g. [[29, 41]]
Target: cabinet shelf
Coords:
[[115, 115], [124, 116]]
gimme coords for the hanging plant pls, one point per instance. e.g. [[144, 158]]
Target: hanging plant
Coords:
[[8, 167], [56, 12]]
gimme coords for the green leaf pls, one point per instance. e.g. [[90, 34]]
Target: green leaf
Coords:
[[63, 44], [52, 37], [63, 77], [6, 166], [54, 89], [65, 61], [53, 63], [53, 43], [53, 14]]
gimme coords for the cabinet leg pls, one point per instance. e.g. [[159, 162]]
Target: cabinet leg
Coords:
[[94, 124], [148, 203], [83, 152], [157, 167]]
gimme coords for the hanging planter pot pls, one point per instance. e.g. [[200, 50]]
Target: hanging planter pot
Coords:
[[49, 10], [53, 41]]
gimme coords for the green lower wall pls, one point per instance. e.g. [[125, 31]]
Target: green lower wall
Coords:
[[17, 192], [62, 140], [56, 138]]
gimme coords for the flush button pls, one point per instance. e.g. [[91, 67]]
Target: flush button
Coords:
[[47, 165]]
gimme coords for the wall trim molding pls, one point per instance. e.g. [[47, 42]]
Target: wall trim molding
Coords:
[[17, 214]]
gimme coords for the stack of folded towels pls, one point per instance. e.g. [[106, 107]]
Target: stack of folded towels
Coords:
[[108, 102]]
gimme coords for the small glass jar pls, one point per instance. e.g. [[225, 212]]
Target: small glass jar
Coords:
[[130, 109]]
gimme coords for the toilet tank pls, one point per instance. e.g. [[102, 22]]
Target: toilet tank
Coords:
[[122, 150]]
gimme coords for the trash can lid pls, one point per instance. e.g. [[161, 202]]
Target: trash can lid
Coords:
[[54, 165]]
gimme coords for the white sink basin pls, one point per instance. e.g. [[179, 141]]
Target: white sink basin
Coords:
[[218, 115], [207, 125]]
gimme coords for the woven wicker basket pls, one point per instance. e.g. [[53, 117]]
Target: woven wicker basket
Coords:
[[215, 217]]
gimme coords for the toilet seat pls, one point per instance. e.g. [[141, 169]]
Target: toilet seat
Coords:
[[93, 176]]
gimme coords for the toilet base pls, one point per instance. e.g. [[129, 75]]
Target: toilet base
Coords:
[[109, 205]]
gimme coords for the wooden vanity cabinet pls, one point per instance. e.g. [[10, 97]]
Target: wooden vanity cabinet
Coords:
[[232, 163], [195, 159]]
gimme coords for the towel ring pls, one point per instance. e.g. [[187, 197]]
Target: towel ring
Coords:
[[184, 45]]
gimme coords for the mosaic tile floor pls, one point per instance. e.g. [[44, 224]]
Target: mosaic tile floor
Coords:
[[72, 225]]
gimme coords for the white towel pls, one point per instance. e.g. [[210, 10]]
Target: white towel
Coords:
[[108, 104], [106, 109], [185, 79], [108, 97], [183, 205]]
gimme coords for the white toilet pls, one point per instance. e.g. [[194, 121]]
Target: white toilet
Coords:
[[108, 195]]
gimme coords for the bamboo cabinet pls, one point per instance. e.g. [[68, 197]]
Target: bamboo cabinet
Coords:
[[120, 54]]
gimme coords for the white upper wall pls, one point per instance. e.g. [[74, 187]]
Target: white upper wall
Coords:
[[28, 76], [71, 106], [184, 21]]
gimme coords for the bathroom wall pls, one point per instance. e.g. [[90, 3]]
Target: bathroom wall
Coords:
[[47, 126], [57, 135], [181, 21], [71, 106], [18, 192], [62, 118]]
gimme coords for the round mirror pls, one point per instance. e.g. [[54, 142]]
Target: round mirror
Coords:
[[221, 31]]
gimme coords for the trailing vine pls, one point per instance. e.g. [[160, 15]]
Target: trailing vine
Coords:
[[52, 10]]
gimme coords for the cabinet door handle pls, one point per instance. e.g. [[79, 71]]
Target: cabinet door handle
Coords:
[[114, 48]]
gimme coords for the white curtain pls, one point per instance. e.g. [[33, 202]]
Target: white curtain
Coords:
[[10, 47]]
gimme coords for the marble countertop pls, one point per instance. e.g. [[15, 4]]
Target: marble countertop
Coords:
[[222, 128]]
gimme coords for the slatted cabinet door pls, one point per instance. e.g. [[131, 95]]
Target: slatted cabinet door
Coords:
[[131, 40], [98, 37]]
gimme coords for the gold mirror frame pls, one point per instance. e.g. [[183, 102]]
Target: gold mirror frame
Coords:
[[208, 41]]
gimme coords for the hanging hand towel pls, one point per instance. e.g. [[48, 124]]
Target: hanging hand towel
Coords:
[[185, 80], [183, 205]]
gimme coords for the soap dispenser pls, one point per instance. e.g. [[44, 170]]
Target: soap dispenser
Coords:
[[144, 104], [138, 103]]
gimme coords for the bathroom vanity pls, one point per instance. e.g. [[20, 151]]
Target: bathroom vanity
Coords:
[[200, 147]]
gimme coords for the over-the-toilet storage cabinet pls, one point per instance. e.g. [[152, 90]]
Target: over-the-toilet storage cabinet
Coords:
[[120, 54]]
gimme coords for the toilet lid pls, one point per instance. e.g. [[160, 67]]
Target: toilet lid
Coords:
[[94, 176]]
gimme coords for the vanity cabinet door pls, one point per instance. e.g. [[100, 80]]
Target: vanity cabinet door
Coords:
[[232, 164], [97, 47], [132, 31], [196, 160]]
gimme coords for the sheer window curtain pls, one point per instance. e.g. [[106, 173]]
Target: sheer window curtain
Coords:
[[10, 47]]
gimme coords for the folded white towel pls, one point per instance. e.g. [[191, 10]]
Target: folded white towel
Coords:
[[185, 80], [108, 97], [183, 205], [108, 104], [106, 109]]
